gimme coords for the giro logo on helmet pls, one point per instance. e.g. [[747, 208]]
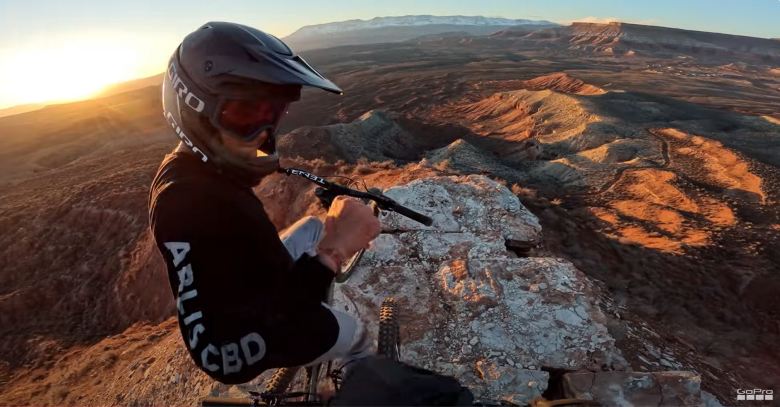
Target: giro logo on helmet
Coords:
[[190, 99], [183, 137]]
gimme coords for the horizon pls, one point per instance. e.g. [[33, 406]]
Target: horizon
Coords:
[[117, 43]]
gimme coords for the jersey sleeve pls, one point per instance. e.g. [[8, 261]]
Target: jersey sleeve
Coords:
[[236, 258]]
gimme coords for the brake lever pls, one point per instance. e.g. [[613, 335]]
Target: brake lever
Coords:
[[325, 196], [379, 199]]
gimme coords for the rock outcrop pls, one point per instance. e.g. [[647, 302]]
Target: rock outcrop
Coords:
[[564, 83], [472, 308], [495, 319], [374, 136], [462, 157]]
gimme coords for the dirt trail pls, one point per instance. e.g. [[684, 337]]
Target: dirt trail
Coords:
[[707, 160]]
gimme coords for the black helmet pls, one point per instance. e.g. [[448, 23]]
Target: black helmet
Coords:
[[235, 79]]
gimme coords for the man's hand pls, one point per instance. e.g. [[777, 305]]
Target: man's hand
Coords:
[[349, 227]]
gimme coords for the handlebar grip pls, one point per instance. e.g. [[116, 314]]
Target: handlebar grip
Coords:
[[425, 220]]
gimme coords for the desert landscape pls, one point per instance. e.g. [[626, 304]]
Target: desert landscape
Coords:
[[650, 157]]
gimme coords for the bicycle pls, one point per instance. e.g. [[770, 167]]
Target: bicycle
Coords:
[[388, 343]]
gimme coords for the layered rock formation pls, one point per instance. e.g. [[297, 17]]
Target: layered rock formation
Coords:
[[374, 136], [564, 83], [618, 38]]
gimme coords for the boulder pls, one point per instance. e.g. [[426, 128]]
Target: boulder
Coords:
[[470, 307]]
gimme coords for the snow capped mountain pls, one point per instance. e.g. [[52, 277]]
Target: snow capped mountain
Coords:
[[402, 28], [380, 22]]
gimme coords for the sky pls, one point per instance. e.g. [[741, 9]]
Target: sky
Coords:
[[69, 49]]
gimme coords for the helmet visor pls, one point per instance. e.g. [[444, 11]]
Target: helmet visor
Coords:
[[247, 118]]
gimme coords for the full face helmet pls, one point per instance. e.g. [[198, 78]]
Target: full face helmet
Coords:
[[236, 80]]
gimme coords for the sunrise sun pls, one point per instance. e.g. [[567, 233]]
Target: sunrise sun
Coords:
[[69, 71]]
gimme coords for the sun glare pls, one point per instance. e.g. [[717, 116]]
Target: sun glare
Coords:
[[70, 71]]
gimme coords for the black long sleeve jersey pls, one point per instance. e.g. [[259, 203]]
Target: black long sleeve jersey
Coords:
[[243, 304]]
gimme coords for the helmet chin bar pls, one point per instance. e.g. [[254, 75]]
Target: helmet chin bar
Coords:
[[252, 169], [269, 146]]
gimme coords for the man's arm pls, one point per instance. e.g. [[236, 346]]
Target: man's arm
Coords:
[[238, 258]]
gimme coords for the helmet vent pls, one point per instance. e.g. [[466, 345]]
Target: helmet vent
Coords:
[[278, 46], [251, 57], [302, 63]]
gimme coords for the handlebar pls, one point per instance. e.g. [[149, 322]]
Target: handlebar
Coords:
[[383, 201], [409, 213]]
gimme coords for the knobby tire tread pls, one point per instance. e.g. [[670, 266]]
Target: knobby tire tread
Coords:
[[388, 342], [281, 379]]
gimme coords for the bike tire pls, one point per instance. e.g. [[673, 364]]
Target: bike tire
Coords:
[[349, 266], [389, 340], [281, 379]]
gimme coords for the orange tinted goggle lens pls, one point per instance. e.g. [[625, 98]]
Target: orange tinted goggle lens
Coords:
[[247, 118]]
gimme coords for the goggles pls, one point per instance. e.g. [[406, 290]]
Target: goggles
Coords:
[[246, 119], [244, 110]]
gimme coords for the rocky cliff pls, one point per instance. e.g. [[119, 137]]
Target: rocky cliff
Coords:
[[475, 303]]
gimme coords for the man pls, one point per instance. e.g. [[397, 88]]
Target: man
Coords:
[[247, 299]]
